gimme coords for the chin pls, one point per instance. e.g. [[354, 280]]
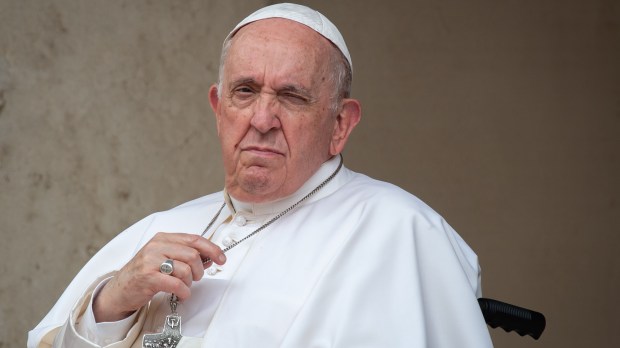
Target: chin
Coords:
[[255, 185]]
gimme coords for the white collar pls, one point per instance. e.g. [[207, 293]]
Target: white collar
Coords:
[[274, 207]]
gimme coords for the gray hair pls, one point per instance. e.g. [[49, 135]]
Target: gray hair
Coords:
[[341, 75]]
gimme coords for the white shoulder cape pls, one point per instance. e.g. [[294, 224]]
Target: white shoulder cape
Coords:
[[362, 264]]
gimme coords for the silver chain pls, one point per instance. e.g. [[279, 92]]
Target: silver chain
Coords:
[[173, 303], [213, 220], [273, 219]]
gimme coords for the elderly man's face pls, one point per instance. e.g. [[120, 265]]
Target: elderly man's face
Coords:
[[274, 116]]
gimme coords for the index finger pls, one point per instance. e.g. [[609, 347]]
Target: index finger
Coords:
[[208, 251]]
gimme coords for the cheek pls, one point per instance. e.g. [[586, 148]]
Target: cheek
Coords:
[[312, 137], [322, 128], [231, 130]]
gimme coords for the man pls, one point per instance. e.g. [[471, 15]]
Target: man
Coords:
[[316, 255]]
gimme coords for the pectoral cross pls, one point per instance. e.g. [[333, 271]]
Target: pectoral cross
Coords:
[[170, 337]]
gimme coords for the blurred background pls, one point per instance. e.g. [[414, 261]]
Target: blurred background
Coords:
[[504, 116]]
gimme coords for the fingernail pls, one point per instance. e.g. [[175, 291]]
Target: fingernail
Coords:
[[222, 258]]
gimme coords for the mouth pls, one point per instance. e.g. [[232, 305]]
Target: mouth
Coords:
[[262, 151]]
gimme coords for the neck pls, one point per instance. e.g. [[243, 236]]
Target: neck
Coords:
[[324, 171]]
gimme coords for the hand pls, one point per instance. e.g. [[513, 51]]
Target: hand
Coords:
[[140, 279]]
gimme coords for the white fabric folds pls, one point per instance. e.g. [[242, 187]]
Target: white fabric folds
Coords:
[[360, 264]]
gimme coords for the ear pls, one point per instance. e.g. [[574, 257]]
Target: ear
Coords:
[[214, 100], [349, 116]]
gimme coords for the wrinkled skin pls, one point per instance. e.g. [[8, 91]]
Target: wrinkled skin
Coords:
[[276, 126], [275, 118]]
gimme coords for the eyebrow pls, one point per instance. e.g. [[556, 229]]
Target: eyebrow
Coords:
[[243, 81], [297, 89]]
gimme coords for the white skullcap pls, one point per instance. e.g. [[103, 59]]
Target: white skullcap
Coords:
[[300, 14]]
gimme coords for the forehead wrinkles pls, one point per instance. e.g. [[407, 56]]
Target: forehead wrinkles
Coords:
[[286, 51]]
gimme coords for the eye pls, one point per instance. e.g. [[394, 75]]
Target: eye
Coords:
[[243, 90], [243, 93], [294, 98]]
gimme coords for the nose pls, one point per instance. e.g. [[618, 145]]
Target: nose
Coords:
[[265, 116]]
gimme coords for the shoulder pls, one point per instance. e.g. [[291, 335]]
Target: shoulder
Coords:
[[186, 217], [400, 215], [384, 195], [210, 199]]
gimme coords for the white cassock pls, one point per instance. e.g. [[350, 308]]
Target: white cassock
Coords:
[[361, 263]]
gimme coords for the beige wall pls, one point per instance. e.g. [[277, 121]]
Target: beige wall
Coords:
[[502, 115]]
